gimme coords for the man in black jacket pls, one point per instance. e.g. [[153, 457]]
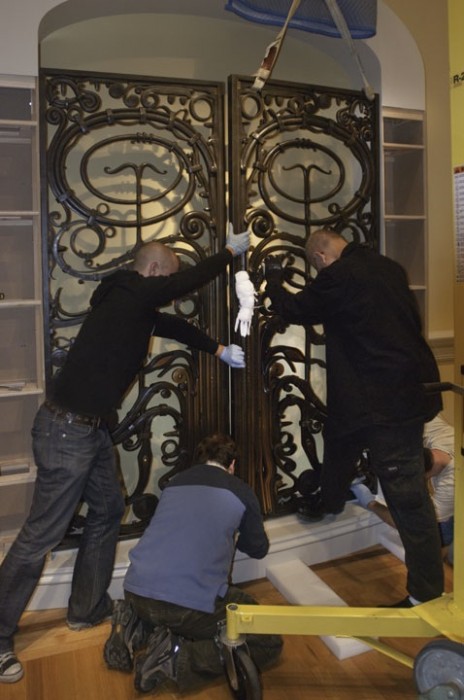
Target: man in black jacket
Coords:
[[377, 362], [71, 441], [177, 585]]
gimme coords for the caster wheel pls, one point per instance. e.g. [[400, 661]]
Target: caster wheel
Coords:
[[439, 663], [243, 676]]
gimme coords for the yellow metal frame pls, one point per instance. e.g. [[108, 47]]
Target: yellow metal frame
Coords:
[[437, 617], [443, 616]]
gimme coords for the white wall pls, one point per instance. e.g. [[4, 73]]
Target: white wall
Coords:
[[207, 48], [403, 79], [19, 35]]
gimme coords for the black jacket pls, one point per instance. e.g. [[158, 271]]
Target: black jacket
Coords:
[[113, 341], [377, 358]]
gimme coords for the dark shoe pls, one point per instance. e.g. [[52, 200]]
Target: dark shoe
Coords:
[[311, 511], [159, 662], [78, 625], [405, 603], [82, 625], [311, 508], [11, 670], [128, 634]]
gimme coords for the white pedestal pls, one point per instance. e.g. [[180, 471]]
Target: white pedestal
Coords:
[[290, 539]]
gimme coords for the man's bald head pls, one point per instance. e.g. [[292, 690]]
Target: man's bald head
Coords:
[[324, 247], [155, 259]]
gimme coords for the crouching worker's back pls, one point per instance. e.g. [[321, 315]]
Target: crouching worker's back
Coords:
[[177, 585]]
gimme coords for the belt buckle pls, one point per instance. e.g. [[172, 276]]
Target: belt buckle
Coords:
[[95, 422], [92, 421]]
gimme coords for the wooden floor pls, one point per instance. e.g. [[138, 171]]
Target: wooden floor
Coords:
[[64, 665]]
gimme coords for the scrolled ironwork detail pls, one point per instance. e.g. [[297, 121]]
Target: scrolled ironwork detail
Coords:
[[303, 157], [128, 161]]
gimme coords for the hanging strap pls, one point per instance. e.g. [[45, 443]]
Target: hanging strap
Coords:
[[342, 27], [272, 51]]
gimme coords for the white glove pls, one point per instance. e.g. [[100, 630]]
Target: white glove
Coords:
[[237, 243], [246, 295], [243, 320], [363, 494], [233, 355]]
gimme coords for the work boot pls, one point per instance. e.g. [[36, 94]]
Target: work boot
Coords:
[[311, 509], [128, 634], [159, 661]]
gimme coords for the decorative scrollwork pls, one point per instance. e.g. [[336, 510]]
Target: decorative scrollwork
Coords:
[[129, 161], [304, 157]]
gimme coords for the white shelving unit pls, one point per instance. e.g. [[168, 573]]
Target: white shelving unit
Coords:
[[405, 196], [21, 321]]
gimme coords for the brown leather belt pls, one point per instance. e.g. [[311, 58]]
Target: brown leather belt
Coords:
[[81, 419]]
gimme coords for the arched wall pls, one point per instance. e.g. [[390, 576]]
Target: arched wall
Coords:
[[24, 24], [206, 48]]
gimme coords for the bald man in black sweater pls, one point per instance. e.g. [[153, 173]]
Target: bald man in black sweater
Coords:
[[72, 446]]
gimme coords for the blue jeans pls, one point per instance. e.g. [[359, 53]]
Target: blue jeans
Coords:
[[74, 463], [446, 531], [396, 457], [450, 555]]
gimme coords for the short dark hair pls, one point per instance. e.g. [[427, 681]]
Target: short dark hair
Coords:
[[428, 459], [218, 448]]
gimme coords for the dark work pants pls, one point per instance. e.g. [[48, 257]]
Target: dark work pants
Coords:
[[199, 658], [396, 455]]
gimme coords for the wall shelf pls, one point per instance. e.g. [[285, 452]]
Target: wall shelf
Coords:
[[405, 233], [21, 319]]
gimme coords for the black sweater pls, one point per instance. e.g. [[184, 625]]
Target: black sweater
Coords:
[[113, 341], [377, 358]]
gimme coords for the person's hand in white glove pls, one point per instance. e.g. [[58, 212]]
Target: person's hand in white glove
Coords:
[[232, 355], [246, 295], [237, 243], [363, 494]]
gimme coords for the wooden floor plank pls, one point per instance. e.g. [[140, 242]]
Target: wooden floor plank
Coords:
[[65, 665]]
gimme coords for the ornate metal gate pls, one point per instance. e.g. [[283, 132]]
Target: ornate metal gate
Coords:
[[128, 160], [302, 157]]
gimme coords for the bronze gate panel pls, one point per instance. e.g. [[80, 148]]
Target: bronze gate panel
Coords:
[[302, 157], [128, 160]]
